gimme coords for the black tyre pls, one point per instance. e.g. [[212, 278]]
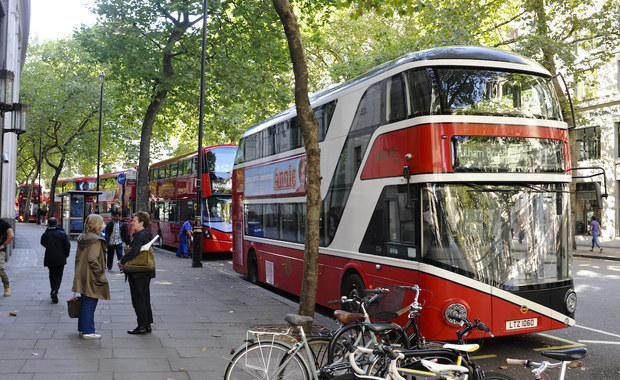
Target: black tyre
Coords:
[[262, 360], [351, 282], [160, 241], [252, 267], [354, 334]]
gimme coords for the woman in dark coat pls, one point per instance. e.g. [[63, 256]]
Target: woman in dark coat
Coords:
[[140, 282], [57, 248]]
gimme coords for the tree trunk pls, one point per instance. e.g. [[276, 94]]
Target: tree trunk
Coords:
[[142, 187], [309, 130], [57, 171]]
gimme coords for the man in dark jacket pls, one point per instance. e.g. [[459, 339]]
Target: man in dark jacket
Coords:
[[115, 234], [57, 248]]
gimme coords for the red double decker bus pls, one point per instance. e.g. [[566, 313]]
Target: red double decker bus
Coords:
[[172, 197], [118, 193], [76, 183], [35, 202], [448, 168]]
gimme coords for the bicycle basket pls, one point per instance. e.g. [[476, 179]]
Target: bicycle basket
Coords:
[[386, 306]]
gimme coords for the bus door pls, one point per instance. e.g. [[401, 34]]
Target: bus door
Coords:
[[392, 236]]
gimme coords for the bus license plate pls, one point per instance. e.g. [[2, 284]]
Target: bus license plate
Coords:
[[521, 324]]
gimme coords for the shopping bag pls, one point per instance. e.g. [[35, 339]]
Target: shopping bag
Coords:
[[73, 306]]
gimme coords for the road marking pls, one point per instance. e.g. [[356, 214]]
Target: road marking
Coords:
[[569, 343], [598, 331], [599, 342]]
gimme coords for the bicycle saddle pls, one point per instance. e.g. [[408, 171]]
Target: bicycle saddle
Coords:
[[298, 320], [566, 355], [347, 317], [381, 327]]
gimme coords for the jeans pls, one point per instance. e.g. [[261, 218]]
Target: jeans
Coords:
[[118, 249], [595, 240], [86, 315]]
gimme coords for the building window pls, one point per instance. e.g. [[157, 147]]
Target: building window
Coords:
[[589, 143]]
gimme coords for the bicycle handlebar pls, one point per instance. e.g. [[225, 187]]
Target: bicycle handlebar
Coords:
[[477, 324], [516, 362]]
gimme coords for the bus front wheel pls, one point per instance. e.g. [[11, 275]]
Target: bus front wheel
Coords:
[[252, 267], [350, 282]]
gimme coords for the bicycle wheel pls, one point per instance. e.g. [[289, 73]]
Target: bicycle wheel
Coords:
[[266, 361], [490, 375], [353, 333], [320, 349]]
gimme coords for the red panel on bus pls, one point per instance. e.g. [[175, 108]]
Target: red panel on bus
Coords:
[[430, 146]]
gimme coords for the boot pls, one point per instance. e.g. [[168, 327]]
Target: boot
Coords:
[[7, 290]]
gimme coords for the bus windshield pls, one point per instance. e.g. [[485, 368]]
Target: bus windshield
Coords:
[[220, 164], [216, 213], [472, 91], [510, 236]]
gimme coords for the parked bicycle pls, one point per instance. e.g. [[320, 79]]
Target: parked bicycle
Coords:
[[273, 356], [566, 357]]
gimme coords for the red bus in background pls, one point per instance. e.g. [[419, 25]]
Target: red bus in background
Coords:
[[172, 197], [448, 168], [118, 193], [76, 183], [35, 202]]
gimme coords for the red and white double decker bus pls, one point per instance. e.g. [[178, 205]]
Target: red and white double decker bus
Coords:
[[75, 183], [172, 197], [448, 168], [118, 193], [35, 202]]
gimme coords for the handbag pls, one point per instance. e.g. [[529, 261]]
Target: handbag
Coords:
[[73, 306], [145, 261]]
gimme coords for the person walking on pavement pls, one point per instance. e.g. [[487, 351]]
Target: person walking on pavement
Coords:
[[186, 236], [115, 234], [6, 237], [57, 248], [90, 280], [140, 282], [595, 229]]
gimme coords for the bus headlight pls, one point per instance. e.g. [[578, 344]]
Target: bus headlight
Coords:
[[571, 301], [207, 234], [455, 309]]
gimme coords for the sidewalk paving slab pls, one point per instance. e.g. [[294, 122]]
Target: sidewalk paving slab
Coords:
[[200, 314]]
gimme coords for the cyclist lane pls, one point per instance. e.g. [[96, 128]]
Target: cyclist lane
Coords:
[[199, 314]]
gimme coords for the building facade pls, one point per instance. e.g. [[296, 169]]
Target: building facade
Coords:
[[598, 142], [14, 31]]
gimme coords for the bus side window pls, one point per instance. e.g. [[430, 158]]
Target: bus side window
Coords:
[[395, 102], [369, 109], [391, 230], [420, 92]]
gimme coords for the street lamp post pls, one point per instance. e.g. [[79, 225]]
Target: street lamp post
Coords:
[[101, 77], [197, 256]]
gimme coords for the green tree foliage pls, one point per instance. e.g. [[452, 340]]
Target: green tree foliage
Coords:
[[153, 49], [60, 85]]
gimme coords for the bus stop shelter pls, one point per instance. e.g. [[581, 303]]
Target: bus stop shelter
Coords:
[[75, 206]]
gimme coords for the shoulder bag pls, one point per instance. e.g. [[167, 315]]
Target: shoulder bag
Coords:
[[145, 261]]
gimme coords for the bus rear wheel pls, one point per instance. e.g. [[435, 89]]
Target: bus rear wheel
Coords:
[[252, 267]]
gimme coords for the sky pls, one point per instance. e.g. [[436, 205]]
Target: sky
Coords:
[[54, 19]]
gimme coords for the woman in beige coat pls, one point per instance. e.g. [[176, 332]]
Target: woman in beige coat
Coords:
[[90, 280]]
